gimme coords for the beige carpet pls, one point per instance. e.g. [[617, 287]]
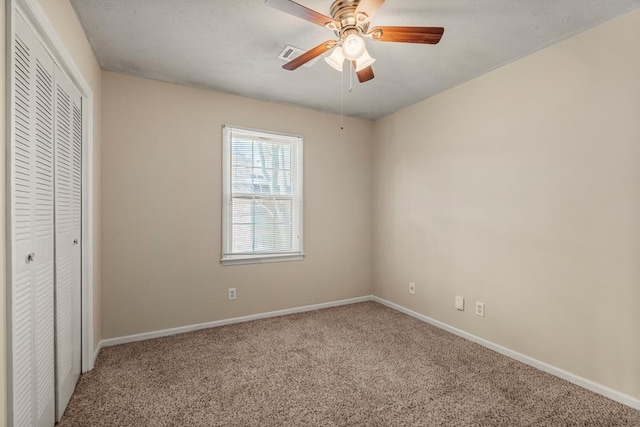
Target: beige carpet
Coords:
[[357, 365]]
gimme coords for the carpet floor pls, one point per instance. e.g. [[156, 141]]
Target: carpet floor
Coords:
[[356, 365]]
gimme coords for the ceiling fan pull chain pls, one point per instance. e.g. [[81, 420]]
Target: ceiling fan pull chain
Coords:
[[342, 100]]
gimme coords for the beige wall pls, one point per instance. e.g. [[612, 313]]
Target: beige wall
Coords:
[[521, 189], [3, 173], [67, 26], [161, 211]]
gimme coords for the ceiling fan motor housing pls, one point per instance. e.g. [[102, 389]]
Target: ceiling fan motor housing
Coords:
[[343, 13]]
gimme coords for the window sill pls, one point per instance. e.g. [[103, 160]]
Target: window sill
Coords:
[[260, 259]]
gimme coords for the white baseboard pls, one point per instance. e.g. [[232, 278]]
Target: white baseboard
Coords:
[[96, 352], [189, 328], [550, 369]]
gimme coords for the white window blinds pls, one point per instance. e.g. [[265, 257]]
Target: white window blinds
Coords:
[[262, 196]]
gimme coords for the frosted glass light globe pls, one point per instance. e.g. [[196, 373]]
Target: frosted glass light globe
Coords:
[[364, 61], [353, 47], [336, 59]]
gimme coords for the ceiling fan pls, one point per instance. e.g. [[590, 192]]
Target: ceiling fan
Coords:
[[350, 21]]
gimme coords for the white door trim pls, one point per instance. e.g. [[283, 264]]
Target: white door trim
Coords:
[[32, 10]]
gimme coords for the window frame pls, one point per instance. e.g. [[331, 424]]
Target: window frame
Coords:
[[297, 174]]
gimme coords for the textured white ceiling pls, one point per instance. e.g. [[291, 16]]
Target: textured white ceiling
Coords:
[[232, 45]]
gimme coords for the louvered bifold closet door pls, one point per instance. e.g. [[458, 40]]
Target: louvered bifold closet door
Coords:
[[68, 190], [32, 233]]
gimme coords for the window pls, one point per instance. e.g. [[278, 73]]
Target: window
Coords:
[[262, 196]]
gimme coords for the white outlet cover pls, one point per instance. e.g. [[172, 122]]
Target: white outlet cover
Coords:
[[412, 288], [480, 309], [459, 303]]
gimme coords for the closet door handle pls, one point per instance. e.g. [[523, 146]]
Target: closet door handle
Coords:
[[75, 241], [30, 258]]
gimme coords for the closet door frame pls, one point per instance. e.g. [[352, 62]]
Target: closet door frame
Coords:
[[42, 26]]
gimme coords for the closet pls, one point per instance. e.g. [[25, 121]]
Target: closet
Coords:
[[45, 228]]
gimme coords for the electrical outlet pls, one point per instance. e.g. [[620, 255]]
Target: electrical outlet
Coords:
[[479, 309], [232, 294], [412, 288]]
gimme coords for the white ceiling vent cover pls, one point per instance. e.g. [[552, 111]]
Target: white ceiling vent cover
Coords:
[[291, 52]]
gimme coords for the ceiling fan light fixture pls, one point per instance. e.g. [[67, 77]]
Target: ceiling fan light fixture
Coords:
[[336, 59], [353, 47], [364, 61]]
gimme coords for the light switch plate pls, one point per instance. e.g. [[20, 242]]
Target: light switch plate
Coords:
[[459, 303]]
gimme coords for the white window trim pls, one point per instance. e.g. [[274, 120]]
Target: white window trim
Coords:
[[261, 259], [258, 258]]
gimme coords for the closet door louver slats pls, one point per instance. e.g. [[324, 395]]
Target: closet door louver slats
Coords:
[[32, 234], [22, 292], [43, 229], [68, 190]]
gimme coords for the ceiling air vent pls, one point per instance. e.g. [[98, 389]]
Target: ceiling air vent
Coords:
[[291, 52]]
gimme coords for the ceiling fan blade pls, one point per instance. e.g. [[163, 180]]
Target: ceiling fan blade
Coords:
[[309, 55], [365, 74], [425, 35], [368, 7], [295, 9]]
